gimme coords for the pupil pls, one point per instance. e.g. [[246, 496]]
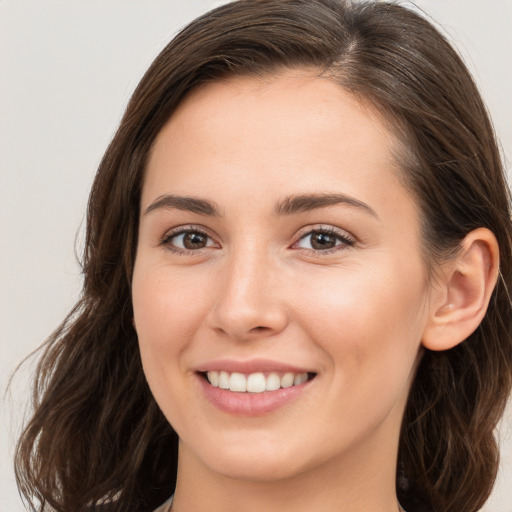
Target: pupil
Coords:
[[194, 241], [323, 241]]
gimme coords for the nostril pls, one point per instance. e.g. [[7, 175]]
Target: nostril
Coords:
[[261, 328]]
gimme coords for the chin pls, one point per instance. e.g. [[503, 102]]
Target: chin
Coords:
[[257, 462], [257, 469]]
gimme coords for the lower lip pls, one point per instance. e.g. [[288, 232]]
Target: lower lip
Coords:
[[250, 404]]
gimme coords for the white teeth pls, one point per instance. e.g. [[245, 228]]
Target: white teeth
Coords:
[[287, 380], [237, 382], [213, 377], [273, 382], [224, 380], [254, 382]]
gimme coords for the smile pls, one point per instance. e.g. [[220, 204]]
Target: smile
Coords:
[[254, 382], [252, 388]]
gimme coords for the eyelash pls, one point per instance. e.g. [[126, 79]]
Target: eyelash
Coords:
[[340, 236]]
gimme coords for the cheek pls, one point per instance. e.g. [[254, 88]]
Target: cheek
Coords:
[[369, 319], [167, 307], [167, 312]]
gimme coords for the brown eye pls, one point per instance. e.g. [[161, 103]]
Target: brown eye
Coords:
[[322, 241], [194, 240], [319, 240], [187, 240]]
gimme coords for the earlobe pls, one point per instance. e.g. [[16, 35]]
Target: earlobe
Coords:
[[463, 292]]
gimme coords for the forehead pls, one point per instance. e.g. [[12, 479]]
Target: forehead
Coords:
[[253, 102], [295, 131]]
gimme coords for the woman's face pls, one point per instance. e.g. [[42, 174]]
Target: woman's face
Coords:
[[276, 245]]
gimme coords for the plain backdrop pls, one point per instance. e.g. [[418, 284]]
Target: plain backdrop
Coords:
[[67, 69]]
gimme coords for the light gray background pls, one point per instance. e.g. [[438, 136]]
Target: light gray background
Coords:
[[67, 69]]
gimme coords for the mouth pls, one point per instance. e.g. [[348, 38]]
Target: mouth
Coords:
[[253, 387], [257, 382]]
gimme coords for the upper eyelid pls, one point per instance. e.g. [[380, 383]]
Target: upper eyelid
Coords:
[[186, 228], [326, 227]]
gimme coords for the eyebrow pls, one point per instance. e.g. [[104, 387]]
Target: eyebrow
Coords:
[[186, 203], [288, 206], [306, 202]]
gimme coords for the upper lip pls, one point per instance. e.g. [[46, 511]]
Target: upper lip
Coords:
[[250, 366]]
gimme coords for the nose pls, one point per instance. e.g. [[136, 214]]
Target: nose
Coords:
[[249, 303]]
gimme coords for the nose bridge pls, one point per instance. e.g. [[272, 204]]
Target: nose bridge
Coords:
[[249, 302]]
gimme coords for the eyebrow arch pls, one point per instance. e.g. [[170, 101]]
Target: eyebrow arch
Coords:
[[288, 206], [186, 203], [306, 202]]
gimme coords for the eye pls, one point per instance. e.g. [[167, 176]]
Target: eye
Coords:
[[187, 240], [325, 240]]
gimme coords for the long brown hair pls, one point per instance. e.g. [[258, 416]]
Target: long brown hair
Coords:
[[97, 438]]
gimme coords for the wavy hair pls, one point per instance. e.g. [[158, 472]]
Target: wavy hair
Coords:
[[98, 441]]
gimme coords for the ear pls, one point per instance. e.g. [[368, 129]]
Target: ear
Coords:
[[461, 296]]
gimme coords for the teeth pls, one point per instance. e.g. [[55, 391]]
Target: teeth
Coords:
[[214, 379], [300, 378], [223, 380], [254, 382], [237, 382], [273, 382], [287, 380]]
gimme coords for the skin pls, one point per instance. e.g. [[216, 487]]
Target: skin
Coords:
[[259, 289]]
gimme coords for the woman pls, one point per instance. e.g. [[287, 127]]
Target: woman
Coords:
[[298, 255]]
